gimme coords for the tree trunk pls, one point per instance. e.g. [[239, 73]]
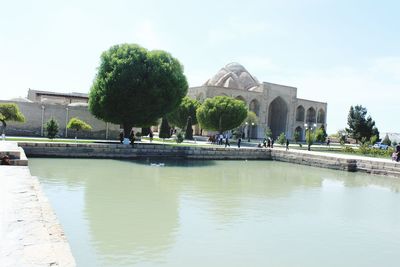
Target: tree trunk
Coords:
[[127, 129], [3, 127]]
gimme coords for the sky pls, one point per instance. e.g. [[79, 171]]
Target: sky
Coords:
[[340, 52]]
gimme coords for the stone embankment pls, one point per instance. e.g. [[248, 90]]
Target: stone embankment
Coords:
[[30, 233], [141, 150]]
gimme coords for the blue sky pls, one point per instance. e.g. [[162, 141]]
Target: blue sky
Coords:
[[341, 52]]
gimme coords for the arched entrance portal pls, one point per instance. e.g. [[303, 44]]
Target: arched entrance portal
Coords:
[[277, 116]]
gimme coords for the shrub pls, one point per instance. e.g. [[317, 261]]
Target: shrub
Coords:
[[179, 137], [52, 128], [281, 139]]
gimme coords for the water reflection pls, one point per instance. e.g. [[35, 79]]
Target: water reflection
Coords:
[[147, 215]]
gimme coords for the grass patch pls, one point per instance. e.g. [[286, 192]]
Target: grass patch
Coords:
[[46, 140]]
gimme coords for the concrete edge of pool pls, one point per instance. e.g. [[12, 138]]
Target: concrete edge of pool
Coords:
[[29, 229]]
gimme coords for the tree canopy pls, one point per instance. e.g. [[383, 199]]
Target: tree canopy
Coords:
[[221, 113], [10, 112], [178, 117], [135, 87], [320, 134], [360, 127], [78, 125]]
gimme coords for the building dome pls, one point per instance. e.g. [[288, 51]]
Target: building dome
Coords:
[[234, 76]]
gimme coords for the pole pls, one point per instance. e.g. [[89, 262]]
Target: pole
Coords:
[[41, 129], [66, 121]]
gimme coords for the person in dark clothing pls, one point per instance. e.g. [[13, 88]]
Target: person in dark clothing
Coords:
[[287, 144], [5, 160], [151, 135], [272, 142], [265, 142], [121, 137], [328, 143], [239, 142], [269, 143], [132, 136], [227, 141]]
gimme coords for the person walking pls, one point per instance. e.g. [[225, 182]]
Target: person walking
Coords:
[[239, 142], [151, 135], [272, 142], [227, 141], [269, 143], [287, 144]]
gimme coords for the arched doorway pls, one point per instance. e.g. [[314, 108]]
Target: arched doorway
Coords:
[[311, 115], [299, 132], [255, 107], [321, 116], [277, 116], [300, 113]]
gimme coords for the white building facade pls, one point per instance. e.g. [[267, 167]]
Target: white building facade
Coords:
[[276, 106]]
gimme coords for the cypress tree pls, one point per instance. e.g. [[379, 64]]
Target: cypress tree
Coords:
[[189, 129], [165, 129]]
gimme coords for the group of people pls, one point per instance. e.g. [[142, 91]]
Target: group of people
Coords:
[[132, 136], [396, 154], [220, 139]]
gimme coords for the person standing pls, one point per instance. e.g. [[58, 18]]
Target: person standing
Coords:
[[272, 142], [121, 137], [239, 142], [132, 136], [287, 144], [151, 135]]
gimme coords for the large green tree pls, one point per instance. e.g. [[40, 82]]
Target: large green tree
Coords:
[[135, 87], [179, 116], [10, 112], [360, 126], [221, 113]]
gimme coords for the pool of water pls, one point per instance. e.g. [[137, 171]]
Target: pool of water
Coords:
[[222, 213]]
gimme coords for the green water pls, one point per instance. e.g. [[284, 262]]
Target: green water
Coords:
[[222, 213]]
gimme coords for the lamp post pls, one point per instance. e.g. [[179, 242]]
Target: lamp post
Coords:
[[247, 128], [66, 122], [309, 129], [41, 129]]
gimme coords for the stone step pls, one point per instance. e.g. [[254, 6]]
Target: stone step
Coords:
[[10, 149]]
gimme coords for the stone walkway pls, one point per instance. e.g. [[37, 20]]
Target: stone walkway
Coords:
[[30, 233]]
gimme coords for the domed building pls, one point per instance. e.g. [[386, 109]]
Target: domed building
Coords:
[[275, 105]]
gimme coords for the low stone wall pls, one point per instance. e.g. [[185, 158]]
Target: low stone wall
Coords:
[[323, 161], [141, 150], [350, 163]]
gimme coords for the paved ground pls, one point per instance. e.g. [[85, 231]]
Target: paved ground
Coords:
[[30, 234]]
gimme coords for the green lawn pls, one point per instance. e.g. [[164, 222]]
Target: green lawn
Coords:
[[17, 139]]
